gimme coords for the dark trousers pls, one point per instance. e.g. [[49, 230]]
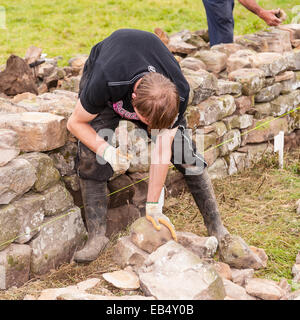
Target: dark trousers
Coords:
[[220, 20], [184, 155]]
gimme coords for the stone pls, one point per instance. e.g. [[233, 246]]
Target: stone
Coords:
[[293, 59], [238, 121], [146, 237], [57, 199], [204, 141], [45, 69], [231, 142], [271, 63], [163, 36], [118, 219], [203, 84], [255, 151], [235, 291], [195, 39], [193, 64], [237, 162], [239, 60], [6, 106], [140, 181], [290, 85], [30, 210], [269, 93], [243, 104], [54, 293], [127, 254], [262, 110], [70, 83], [218, 170], [292, 296], [240, 277], [24, 96], [126, 280], [261, 253], [228, 87], [32, 54], [264, 289], [203, 247], [219, 128], [17, 77], [283, 76], [37, 131], [285, 286], [177, 45], [267, 128], [209, 111], [122, 197], [52, 80], [9, 225], [9, 146], [87, 284], [174, 273], [272, 40], [215, 61], [223, 269], [16, 178], [141, 152], [14, 266], [77, 295], [235, 252], [227, 48], [57, 241], [252, 80], [211, 155], [78, 61], [46, 174]]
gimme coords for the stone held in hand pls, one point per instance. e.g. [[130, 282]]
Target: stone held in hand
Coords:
[[146, 237]]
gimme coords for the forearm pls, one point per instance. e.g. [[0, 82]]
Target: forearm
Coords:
[[252, 6], [157, 178]]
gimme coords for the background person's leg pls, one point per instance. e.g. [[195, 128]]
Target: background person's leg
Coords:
[[220, 20], [193, 167]]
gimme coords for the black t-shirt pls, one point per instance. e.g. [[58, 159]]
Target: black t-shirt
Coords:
[[117, 62]]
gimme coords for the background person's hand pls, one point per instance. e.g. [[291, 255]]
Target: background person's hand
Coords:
[[270, 18]]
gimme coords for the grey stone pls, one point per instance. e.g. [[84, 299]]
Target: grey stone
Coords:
[[16, 178], [237, 162], [9, 148], [128, 254], [14, 266], [269, 93], [240, 59], [203, 247], [215, 61], [57, 241], [252, 80], [218, 169], [238, 121], [271, 63], [173, 272], [231, 141], [228, 87], [240, 277], [47, 175], [193, 64], [30, 209], [9, 225], [293, 58], [57, 199]]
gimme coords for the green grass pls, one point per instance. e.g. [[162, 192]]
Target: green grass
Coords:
[[66, 28]]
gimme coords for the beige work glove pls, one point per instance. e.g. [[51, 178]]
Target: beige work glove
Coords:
[[119, 162], [155, 216]]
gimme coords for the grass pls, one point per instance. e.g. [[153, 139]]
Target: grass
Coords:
[[66, 28], [257, 204]]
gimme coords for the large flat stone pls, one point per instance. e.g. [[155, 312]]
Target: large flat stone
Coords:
[[215, 61], [16, 178], [14, 266], [269, 93], [57, 241], [239, 60], [236, 292], [37, 131], [264, 289], [174, 273], [209, 111], [271, 63]]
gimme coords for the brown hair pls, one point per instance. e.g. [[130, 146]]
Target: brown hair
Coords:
[[157, 100]]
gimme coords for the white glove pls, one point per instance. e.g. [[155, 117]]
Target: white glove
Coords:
[[119, 162], [155, 216]]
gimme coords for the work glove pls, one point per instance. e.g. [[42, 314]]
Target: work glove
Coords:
[[155, 216], [119, 161]]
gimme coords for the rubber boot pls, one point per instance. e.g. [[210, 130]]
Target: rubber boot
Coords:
[[95, 205], [202, 190]]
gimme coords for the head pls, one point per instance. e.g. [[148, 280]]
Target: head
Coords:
[[156, 101]]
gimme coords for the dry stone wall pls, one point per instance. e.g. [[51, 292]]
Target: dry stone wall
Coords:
[[234, 88]]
